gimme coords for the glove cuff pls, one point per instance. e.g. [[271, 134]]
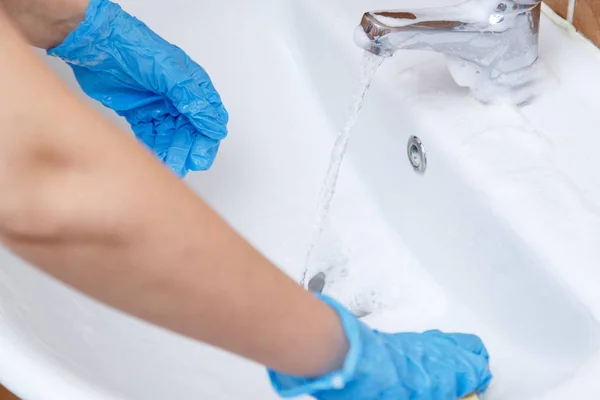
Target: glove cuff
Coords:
[[364, 342], [98, 16]]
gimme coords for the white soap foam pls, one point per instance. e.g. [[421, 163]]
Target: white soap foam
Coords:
[[493, 87]]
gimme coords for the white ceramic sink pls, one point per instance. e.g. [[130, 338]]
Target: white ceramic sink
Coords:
[[498, 238]]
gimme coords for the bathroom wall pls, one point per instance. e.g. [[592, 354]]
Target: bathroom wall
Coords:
[[584, 14]]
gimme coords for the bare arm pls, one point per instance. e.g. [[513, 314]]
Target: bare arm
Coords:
[[45, 23], [84, 202]]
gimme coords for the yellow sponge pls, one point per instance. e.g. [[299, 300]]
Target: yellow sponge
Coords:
[[471, 397]]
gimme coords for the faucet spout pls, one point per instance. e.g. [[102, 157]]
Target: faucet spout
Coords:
[[493, 39]]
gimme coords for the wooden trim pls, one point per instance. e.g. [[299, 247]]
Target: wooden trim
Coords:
[[6, 395], [560, 6], [587, 19]]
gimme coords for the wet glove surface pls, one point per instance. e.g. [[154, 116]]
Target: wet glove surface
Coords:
[[167, 98], [406, 366]]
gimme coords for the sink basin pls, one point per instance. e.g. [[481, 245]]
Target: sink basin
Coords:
[[498, 238]]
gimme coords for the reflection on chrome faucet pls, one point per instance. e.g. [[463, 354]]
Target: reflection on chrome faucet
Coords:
[[492, 46]]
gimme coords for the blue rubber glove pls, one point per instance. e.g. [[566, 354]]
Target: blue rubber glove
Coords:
[[406, 366], [168, 99]]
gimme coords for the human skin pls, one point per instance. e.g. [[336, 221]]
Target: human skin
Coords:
[[45, 23]]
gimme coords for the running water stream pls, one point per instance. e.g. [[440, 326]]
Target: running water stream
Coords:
[[369, 66]]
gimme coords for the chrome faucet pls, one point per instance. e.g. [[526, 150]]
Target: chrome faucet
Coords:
[[492, 45]]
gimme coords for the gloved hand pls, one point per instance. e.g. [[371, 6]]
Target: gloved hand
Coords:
[[405, 366], [168, 99]]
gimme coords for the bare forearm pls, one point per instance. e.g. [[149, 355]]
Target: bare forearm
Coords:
[[45, 23], [89, 206]]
